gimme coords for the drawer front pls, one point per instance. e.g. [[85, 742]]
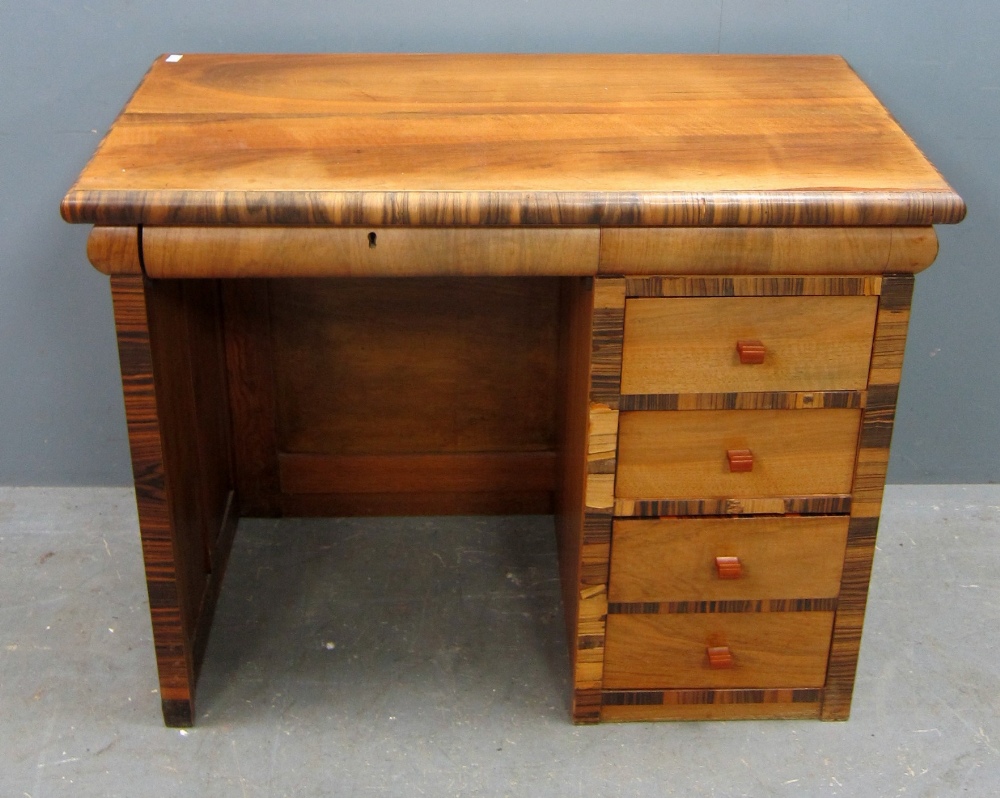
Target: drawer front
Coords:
[[687, 454], [675, 559], [766, 250], [689, 345], [368, 251], [771, 649]]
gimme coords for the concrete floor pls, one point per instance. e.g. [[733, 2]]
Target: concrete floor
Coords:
[[427, 657]]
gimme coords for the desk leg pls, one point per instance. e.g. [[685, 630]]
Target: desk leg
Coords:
[[173, 377]]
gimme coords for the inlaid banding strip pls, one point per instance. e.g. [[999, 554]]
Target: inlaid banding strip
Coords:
[[682, 697], [804, 505], [776, 400], [869, 482], [751, 286], [689, 607], [608, 334]]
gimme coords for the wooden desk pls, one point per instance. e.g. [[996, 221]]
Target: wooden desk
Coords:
[[663, 297]]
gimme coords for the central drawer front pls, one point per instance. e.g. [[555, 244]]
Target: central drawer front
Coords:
[[771, 649], [675, 559], [685, 454], [369, 251], [689, 345]]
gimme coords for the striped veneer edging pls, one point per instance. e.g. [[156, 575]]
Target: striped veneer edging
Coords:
[[735, 605], [777, 400], [869, 481], [751, 286]]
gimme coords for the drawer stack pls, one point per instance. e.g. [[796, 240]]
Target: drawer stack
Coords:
[[750, 420]]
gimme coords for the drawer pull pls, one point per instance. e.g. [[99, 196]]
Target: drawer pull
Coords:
[[720, 658], [728, 567], [751, 352], [740, 460]]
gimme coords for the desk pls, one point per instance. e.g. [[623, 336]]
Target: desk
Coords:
[[662, 297]]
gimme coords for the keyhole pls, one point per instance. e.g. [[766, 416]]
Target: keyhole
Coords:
[[371, 240]]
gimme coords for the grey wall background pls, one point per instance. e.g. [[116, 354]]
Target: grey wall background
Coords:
[[66, 68]]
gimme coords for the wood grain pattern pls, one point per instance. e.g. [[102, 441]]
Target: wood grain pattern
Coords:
[[778, 505], [767, 250], [686, 345], [602, 440], [171, 352], [680, 455], [576, 307], [358, 139], [604, 352], [606, 356], [115, 250], [778, 649], [673, 559], [631, 705], [252, 401], [368, 251], [751, 286], [416, 365], [771, 400], [723, 605], [869, 482], [171, 635]]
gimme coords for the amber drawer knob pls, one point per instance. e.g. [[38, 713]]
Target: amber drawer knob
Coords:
[[720, 658], [740, 460], [728, 567], [751, 352]]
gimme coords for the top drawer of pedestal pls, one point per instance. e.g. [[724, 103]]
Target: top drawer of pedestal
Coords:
[[693, 345]]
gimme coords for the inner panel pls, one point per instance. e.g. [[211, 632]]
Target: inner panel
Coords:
[[416, 386]]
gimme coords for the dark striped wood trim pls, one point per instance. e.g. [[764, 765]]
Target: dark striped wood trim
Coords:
[[608, 334], [596, 549], [622, 698], [805, 505], [586, 706], [791, 208], [686, 607], [869, 482], [176, 405], [777, 400], [662, 286], [171, 640], [879, 417]]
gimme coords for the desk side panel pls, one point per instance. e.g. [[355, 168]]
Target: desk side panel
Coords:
[[576, 311], [170, 347], [594, 317]]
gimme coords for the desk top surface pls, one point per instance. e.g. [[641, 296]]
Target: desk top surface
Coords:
[[507, 140]]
